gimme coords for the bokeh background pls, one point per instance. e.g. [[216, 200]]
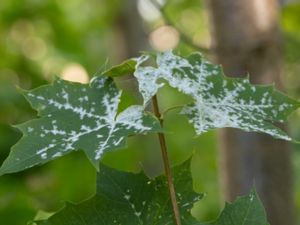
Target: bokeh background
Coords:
[[76, 39]]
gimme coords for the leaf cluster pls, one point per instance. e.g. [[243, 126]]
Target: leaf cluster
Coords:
[[75, 116]]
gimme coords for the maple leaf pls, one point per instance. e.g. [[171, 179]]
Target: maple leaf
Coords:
[[132, 199], [219, 101], [246, 210], [76, 116]]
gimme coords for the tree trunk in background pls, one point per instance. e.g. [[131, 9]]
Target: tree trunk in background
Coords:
[[285, 2], [130, 31], [131, 38], [246, 39]]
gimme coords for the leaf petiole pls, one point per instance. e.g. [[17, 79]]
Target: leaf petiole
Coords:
[[166, 162]]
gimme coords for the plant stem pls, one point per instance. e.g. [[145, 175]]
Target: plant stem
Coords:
[[166, 162]]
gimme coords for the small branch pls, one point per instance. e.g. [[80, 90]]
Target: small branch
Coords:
[[166, 162], [182, 34]]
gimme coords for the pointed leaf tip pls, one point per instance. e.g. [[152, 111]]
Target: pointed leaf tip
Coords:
[[246, 210], [125, 68]]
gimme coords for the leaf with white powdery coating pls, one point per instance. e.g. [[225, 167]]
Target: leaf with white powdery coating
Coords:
[[132, 199], [219, 101], [76, 116]]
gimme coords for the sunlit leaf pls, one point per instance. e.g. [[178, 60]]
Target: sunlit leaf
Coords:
[[219, 101]]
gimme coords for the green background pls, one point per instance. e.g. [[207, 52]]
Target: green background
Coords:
[[39, 39]]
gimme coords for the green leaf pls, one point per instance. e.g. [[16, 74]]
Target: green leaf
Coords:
[[76, 116], [125, 68], [219, 101], [131, 199], [246, 210]]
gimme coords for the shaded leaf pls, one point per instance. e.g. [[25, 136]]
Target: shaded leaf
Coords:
[[127, 67], [75, 116], [246, 210], [133, 199]]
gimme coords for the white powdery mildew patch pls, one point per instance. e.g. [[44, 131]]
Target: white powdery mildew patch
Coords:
[[127, 198], [189, 205], [111, 104], [251, 197], [80, 111], [172, 69], [57, 154], [68, 138], [167, 64], [206, 116], [98, 82], [219, 102], [30, 129], [43, 151], [146, 77], [106, 143], [132, 118]]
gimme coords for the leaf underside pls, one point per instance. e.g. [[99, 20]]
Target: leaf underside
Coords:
[[76, 116], [132, 199], [127, 67], [219, 101]]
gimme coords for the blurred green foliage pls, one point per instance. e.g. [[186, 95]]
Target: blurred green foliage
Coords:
[[290, 21], [39, 38]]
